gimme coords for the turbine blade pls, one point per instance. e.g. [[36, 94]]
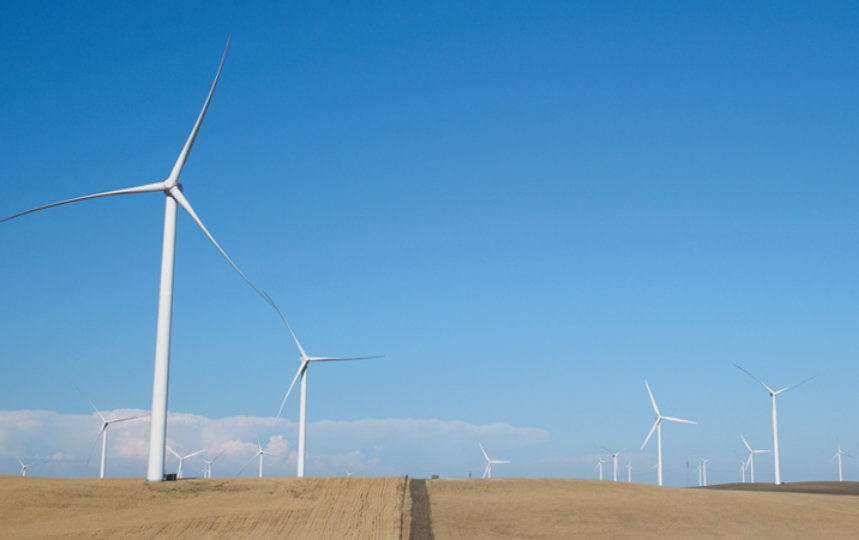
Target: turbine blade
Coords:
[[295, 339], [651, 433], [749, 448], [497, 461], [176, 193], [174, 452], [770, 390], [183, 155], [95, 443], [195, 453], [672, 419], [795, 385], [248, 463], [653, 401], [129, 418], [301, 369], [331, 358], [484, 451], [158, 186]]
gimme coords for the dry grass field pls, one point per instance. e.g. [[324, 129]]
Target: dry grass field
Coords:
[[388, 508]]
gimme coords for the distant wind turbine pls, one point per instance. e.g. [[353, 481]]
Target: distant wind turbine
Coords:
[[751, 459], [657, 426], [773, 394], [172, 190], [304, 361], [613, 459], [24, 466], [599, 464], [838, 455], [629, 471], [259, 455], [182, 459], [207, 465], [105, 423], [487, 471]]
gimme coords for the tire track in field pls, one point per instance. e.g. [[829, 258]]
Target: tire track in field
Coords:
[[420, 527]]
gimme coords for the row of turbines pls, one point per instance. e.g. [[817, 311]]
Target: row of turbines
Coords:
[[174, 196]]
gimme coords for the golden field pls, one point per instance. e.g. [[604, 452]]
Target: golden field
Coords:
[[383, 508]]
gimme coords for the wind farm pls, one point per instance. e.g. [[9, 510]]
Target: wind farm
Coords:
[[513, 219]]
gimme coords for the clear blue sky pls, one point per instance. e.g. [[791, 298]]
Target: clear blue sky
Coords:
[[528, 209]]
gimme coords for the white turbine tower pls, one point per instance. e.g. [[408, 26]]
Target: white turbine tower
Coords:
[[24, 466], [751, 459], [613, 459], [773, 394], [743, 470], [657, 426], [260, 453], [487, 471], [629, 471], [304, 361], [838, 455], [105, 423], [207, 465], [172, 190], [182, 459], [600, 463], [704, 470]]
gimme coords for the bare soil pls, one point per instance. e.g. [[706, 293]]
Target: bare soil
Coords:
[[534, 508], [314, 508]]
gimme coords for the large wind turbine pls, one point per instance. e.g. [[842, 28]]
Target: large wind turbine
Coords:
[[657, 426], [302, 372], [105, 423], [751, 459], [487, 471], [24, 466], [614, 460], [182, 459], [260, 453], [773, 394], [172, 190]]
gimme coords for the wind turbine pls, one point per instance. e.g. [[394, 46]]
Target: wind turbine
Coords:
[[302, 372], [614, 460], [773, 394], [657, 426], [629, 471], [260, 453], [838, 455], [172, 190], [182, 459], [105, 423], [487, 471], [599, 464], [704, 470], [207, 465], [751, 459], [24, 466]]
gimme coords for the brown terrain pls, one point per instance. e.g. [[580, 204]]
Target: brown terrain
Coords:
[[391, 508]]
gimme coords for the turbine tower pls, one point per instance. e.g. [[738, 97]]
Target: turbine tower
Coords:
[[704, 470], [838, 455], [629, 471], [773, 394], [599, 464], [105, 423], [304, 361], [751, 459], [207, 465], [613, 459], [172, 190], [182, 459], [487, 471], [657, 426]]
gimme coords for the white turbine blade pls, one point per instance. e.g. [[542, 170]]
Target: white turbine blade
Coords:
[[795, 385], [158, 186], [770, 390], [749, 448], [195, 453], [651, 432], [98, 412], [128, 418], [484, 452], [176, 193], [298, 373], [174, 452], [332, 358], [95, 442], [183, 156], [653, 401], [497, 461], [248, 463], [760, 451], [672, 419], [294, 338]]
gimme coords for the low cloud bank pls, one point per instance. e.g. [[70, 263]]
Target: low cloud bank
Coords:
[[372, 447]]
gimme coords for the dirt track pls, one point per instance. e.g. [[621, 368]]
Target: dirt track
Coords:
[[388, 508]]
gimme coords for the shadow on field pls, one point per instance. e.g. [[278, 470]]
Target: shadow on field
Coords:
[[421, 520], [820, 488]]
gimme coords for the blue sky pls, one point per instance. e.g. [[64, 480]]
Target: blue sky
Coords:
[[527, 209]]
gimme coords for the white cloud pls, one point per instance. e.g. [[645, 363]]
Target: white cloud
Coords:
[[377, 447]]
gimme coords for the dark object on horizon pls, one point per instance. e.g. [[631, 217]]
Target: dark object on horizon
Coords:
[[170, 477]]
